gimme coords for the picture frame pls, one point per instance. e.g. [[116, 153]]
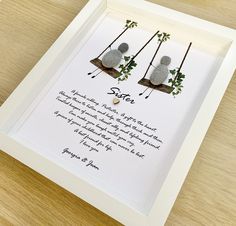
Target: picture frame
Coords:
[[203, 34]]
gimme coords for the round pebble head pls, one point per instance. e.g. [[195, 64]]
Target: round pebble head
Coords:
[[165, 60], [123, 47]]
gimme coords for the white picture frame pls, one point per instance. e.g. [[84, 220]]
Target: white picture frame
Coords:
[[30, 87]]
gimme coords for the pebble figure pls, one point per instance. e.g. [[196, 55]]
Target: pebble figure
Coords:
[[112, 58], [160, 73]]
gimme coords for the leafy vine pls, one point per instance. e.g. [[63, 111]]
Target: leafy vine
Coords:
[[176, 81], [130, 24], [126, 68], [163, 37]]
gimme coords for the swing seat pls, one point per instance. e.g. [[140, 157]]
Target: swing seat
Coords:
[[162, 88], [110, 71]]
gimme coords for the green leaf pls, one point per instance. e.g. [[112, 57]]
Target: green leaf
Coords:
[[126, 58]]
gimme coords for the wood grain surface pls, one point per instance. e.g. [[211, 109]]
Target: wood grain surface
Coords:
[[208, 197]]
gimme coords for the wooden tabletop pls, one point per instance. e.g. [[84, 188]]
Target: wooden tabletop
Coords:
[[208, 197]]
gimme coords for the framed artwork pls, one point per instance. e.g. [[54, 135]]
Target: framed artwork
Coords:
[[116, 110]]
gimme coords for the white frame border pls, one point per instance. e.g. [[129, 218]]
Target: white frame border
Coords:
[[173, 182]]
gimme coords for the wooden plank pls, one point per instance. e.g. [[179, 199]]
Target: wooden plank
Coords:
[[162, 88], [110, 71]]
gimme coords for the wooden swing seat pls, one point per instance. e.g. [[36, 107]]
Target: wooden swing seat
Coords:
[[110, 71], [145, 82], [162, 88]]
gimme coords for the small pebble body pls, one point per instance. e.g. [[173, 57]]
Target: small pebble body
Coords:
[[161, 72], [112, 58]]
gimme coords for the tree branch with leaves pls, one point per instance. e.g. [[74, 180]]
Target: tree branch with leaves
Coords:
[[176, 82]]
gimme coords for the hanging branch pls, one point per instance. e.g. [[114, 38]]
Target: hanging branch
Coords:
[[178, 77], [129, 24], [161, 38], [130, 62]]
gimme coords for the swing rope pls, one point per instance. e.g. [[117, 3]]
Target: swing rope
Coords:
[[132, 59], [182, 63], [114, 41], [154, 56]]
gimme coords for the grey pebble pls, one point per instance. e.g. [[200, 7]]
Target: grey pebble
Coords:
[[166, 60], [161, 72], [123, 47], [113, 58]]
